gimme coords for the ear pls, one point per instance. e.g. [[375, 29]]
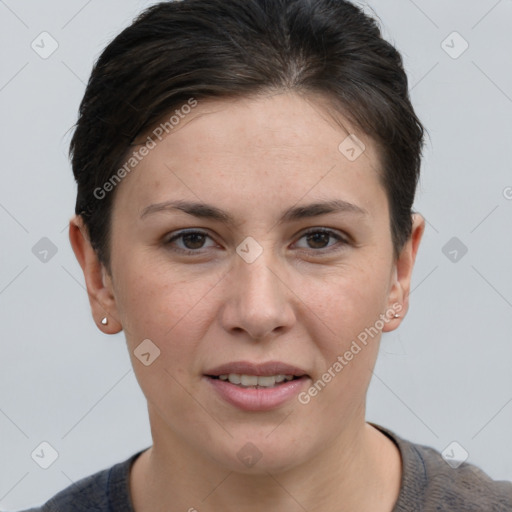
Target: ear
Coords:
[[402, 271], [97, 279]]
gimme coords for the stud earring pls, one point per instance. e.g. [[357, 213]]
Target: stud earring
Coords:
[[104, 321], [396, 316]]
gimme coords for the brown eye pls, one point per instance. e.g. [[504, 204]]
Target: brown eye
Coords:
[[193, 240], [188, 241], [319, 239]]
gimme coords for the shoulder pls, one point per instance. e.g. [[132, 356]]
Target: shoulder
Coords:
[[106, 490], [430, 483], [465, 487]]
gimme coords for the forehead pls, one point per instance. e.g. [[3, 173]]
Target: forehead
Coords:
[[281, 146]]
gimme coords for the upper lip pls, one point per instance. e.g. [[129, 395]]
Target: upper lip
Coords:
[[263, 369]]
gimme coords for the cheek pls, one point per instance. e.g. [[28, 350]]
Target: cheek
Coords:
[[348, 304], [348, 341], [156, 302], [174, 315], [347, 300]]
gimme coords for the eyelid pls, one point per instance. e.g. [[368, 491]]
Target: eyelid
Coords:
[[330, 231], [181, 233], [341, 239]]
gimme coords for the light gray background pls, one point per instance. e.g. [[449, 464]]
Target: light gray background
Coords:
[[444, 376]]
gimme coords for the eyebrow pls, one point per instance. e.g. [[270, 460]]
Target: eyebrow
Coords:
[[206, 211]]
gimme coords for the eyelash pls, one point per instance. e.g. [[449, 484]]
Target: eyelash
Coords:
[[325, 250]]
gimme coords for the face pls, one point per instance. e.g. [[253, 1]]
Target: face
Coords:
[[220, 259]]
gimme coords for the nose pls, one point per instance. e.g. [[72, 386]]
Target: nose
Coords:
[[260, 302]]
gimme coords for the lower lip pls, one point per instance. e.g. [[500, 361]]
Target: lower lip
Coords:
[[257, 399]]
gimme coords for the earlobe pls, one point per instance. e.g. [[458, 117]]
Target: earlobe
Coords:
[[402, 272], [99, 288]]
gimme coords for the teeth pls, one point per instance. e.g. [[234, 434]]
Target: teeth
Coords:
[[248, 380], [234, 379], [255, 380], [265, 381]]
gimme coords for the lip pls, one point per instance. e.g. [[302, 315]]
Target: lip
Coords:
[[257, 399], [263, 369]]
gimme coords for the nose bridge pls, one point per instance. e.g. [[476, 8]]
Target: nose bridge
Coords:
[[258, 281], [259, 300]]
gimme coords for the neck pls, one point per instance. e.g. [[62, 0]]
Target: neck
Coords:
[[359, 470]]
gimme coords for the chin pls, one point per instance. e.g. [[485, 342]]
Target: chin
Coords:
[[260, 455]]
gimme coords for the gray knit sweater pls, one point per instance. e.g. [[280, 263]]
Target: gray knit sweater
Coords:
[[428, 484]]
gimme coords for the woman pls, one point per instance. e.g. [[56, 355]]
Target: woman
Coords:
[[246, 172]]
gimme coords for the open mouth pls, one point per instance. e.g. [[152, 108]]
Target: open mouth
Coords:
[[256, 387], [256, 381]]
